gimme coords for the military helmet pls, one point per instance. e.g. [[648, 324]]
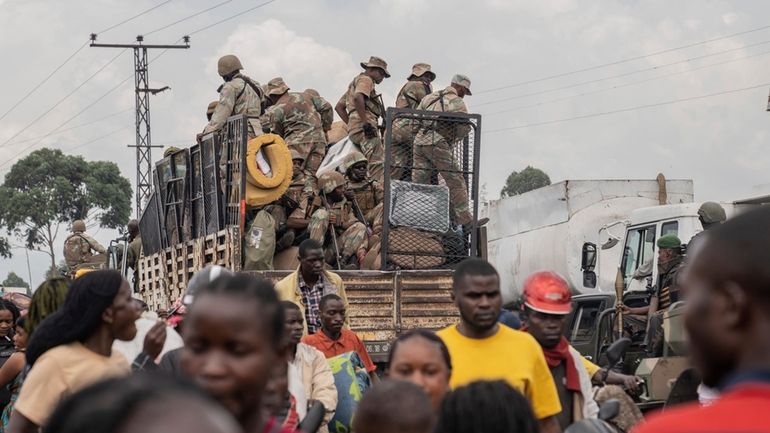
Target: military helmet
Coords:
[[228, 64], [313, 92], [329, 181], [170, 151], [78, 226], [296, 155], [712, 213], [276, 87], [352, 159]]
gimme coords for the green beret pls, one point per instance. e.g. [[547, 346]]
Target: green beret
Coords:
[[669, 242]]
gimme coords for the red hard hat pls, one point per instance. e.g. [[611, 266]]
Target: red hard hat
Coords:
[[547, 292]]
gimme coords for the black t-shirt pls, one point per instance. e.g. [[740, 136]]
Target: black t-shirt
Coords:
[[566, 397]]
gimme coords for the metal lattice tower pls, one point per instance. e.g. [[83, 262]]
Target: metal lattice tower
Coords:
[[143, 133]]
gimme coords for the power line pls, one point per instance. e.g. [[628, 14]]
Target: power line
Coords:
[[625, 74], [45, 80], [63, 99], [232, 17], [619, 86], [109, 116], [133, 17], [52, 73], [187, 18], [618, 62], [623, 110], [96, 139]]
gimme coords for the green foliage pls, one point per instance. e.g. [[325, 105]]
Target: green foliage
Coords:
[[14, 280], [48, 188], [5, 248], [526, 180]]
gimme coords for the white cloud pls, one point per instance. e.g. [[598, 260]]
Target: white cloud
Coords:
[[270, 49]]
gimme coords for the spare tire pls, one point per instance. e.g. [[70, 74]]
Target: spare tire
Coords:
[[278, 156]]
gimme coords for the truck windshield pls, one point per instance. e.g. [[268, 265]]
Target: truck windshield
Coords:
[[638, 253]]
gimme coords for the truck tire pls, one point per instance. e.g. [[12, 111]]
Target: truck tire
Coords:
[[278, 156]]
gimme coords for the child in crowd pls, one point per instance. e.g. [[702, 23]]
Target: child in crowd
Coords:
[[333, 339], [10, 373], [394, 407]]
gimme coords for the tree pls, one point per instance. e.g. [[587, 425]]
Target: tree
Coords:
[[14, 280], [526, 180], [48, 188]]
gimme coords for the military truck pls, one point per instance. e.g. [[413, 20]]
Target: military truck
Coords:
[[593, 324], [203, 196]]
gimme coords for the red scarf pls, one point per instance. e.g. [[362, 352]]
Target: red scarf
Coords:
[[558, 354]]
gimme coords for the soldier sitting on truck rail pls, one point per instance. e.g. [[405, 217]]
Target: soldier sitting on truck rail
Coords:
[[238, 95], [650, 318], [364, 193], [330, 220], [547, 303], [79, 248], [418, 86]]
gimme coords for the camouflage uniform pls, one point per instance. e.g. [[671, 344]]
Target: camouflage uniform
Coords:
[[133, 253], [237, 96], [433, 150], [295, 118], [368, 193], [404, 130], [372, 148], [325, 109], [352, 239], [78, 249]]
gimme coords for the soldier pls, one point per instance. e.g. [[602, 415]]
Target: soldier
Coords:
[[325, 109], [433, 146], [363, 192], [328, 212], [417, 87], [78, 249], [635, 319], [293, 116], [302, 186], [210, 109], [361, 107], [238, 95], [134, 250]]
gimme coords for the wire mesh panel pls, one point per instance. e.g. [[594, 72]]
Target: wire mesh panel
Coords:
[[235, 148], [431, 189], [209, 146], [149, 227]]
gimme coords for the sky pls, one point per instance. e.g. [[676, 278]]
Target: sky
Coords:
[[607, 89]]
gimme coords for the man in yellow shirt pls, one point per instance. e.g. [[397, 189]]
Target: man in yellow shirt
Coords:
[[481, 349], [547, 302]]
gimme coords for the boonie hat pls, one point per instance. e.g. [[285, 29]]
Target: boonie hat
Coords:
[[277, 86], [420, 69], [464, 81], [376, 62], [547, 292]]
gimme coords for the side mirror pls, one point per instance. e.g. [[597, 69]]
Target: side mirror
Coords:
[[617, 351], [609, 409], [588, 257], [589, 279]]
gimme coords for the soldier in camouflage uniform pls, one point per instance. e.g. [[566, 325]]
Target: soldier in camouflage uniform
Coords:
[[295, 117], [364, 192], [329, 208], [79, 247], [238, 95], [433, 146], [325, 109], [361, 107], [302, 186], [417, 87]]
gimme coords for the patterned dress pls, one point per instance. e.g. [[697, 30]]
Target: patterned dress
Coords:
[[15, 388]]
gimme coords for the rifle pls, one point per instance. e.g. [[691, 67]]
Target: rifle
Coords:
[[619, 286], [360, 215], [332, 230]]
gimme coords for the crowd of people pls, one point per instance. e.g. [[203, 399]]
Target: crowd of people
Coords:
[[261, 357]]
